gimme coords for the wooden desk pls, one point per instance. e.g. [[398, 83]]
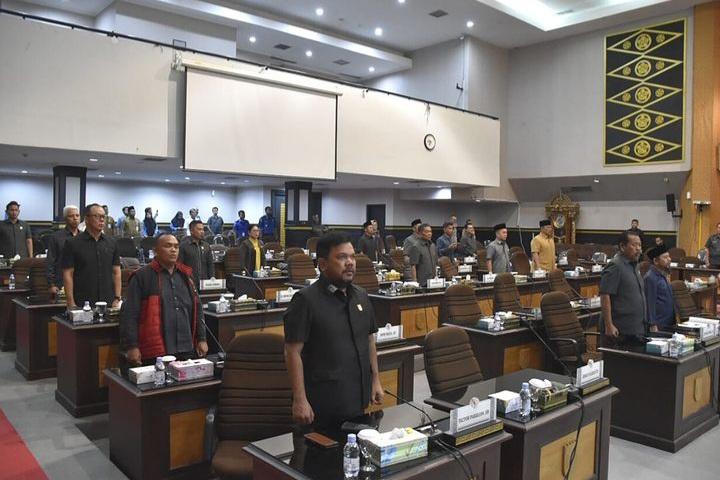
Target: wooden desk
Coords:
[[159, 433], [5, 272], [664, 402], [531, 293], [507, 351], [587, 285], [396, 365], [541, 446], [418, 313], [85, 351], [7, 316], [36, 338], [258, 288], [210, 295], [291, 457], [227, 326], [684, 273]]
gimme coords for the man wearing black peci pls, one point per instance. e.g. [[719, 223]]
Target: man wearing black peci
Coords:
[[329, 343]]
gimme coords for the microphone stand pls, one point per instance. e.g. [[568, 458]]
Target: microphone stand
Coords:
[[524, 319], [221, 354]]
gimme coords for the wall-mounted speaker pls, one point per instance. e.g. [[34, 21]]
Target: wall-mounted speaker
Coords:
[[670, 202]]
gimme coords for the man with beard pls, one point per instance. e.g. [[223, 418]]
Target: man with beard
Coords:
[[622, 293], [329, 343], [658, 292]]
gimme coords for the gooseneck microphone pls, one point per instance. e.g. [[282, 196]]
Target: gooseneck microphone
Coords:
[[221, 354]]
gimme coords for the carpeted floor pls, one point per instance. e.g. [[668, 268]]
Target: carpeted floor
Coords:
[[18, 463]]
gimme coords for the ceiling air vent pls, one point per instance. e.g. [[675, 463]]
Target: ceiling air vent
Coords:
[[577, 189], [341, 62], [282, 46], [438, 13], [153, 159]]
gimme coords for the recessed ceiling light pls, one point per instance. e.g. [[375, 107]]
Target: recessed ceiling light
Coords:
[[222, 183], [118, 173], [24, 171], [246, 181], [401, 1], [596, 180], [371, 69], [438, 186], [167, 179], [252, 39], [319, 11], [470, 24], [378, 31], [396, 183], [101, 176], [187, 178], [93, 159], [308, 53]]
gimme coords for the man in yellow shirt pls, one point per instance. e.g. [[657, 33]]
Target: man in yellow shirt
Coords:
[[543, 247]]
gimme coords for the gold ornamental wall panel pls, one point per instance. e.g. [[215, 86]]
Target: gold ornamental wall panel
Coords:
[[645, 95]]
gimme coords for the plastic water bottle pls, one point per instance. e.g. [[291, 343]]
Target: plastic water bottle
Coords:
[[525, 398], [159, 372], [674, 346], [351, 457], [86, 306], [141, 255], [11, 282]]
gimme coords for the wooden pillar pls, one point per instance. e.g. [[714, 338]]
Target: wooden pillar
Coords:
[[703, 183]]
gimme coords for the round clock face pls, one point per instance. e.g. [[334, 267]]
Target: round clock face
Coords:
[[429, 141], [559, 220]]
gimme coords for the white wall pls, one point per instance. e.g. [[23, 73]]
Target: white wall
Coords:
[[556, 107], [436, 70], [34, 194], [165, 27], [593, 215], [252, 200]]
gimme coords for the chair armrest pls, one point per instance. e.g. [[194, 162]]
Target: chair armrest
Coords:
[[210, 438], [596, 334]]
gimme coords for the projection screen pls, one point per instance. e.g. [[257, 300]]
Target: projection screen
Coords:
[[242, 126]]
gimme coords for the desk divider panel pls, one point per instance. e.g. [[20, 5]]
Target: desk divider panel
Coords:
[[279, 329], [519, 357], [107, 357], [696, 392], [52, 338], [555, 456], [187, 434], [417, 322]]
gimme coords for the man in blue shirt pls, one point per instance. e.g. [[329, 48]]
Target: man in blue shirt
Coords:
[[658, 292], [241, 227], [267, 225], [215, 222], [446, 246]]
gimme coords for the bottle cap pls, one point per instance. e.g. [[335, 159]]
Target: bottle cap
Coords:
[[525, 385], [351, 438]]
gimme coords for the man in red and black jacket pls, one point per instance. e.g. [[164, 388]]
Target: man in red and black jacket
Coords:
[[162, 314]]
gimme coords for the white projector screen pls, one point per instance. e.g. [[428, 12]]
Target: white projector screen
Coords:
[[240, 126]]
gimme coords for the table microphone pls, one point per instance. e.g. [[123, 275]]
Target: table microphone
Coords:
[[435, 432], [221, 354]]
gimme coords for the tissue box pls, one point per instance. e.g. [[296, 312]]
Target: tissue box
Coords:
[[139, 375], [507, 401], [385, 451], [539, 274], [485, 323], [572, 273], [521, 278], [190, 369], [81, 317], [658, 347]]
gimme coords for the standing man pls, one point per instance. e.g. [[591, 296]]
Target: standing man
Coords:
[[498, 252], [543, 247], [712, 249], [56, 243], [378, 238], [423, 256], [329, 341], [367, 243], [215, 222], [162, 314], [635, 230], [131, 225], [446, 246], [268, 225], [91, 264], [15, 235], [622, 294], [316, 226], [413, 237], [195, 253], [468, 242], [658, 292], [241, 227], [453, 222], [109, 229], [121, 221]]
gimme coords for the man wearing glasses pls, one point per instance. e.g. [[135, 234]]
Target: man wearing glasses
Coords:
[[91, 264]]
